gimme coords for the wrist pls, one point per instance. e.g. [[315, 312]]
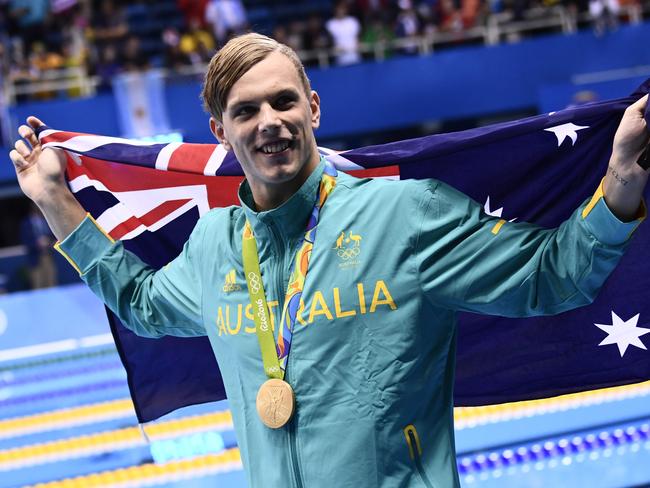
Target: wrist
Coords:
[[53, 196], [61, 210], [623, 188], [627, 164], [627, 172]]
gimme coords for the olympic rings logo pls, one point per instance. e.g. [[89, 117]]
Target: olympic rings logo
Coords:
[[254, 282], [348, 253]]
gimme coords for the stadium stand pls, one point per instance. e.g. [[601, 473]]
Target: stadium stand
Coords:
[[81, 44]]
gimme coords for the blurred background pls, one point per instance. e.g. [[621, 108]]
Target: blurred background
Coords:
[[386, 70]]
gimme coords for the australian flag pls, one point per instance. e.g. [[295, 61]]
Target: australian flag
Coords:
[[537, 169]]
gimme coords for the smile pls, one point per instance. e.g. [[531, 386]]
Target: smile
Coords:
[[276, 147]]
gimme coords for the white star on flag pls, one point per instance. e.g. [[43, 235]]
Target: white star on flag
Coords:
[[623, 333], [494, 213], [569, 130]]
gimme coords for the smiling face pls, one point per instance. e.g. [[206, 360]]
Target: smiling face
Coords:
[[269, 121]]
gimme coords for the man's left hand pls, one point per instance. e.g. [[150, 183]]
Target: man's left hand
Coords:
[[626, 180]]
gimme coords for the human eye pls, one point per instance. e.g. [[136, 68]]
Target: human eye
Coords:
[[284, 102], [243, 111]]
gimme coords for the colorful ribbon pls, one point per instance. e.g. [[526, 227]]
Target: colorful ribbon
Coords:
[[275, 358]]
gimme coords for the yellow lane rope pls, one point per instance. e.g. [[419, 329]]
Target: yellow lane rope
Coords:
[[111, 441], [154, 474], [467, 417], [66, 417]]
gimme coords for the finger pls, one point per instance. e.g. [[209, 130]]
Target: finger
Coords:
[[640, 104], [34, 122], [18, 160], [22, 148], [27, 133]]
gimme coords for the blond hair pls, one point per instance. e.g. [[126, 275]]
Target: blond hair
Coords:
[[231, 63]]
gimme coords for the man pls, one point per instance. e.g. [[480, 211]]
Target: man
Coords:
[[363, 313], [227, 18], [345, 30]]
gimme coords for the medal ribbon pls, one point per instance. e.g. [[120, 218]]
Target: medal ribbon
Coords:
[[275, 354]]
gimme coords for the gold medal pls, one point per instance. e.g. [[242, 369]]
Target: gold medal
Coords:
[[275, 403]]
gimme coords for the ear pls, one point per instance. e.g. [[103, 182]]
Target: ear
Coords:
[[219, 132], [314, 105]]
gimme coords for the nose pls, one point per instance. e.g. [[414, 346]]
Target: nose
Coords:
[[268, 119]]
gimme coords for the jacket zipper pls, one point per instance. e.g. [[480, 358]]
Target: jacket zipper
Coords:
[[293, 450], [293, 442], [415, 451], [291, 429], [278, 269]]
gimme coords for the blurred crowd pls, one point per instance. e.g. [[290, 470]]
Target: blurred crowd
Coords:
[[107, 37]]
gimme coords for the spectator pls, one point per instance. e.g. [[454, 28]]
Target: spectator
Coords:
[[75, 27], [29, 16], [108, 66], [316, 41], [193, 11], [227, 18], [110, 25], [4, 61], [5, 24], [133, 58], [295, 35], [366, 9], [73, 58], [37, 238], [42, 61], [407, 27], [450, 19], [428, 18], [379, 35], [173, 56], [21, 73], [345, 30], [62, 6], [469, 10], [197, 44], [634, 10], [76, 31], [604, 14], [316, 36]]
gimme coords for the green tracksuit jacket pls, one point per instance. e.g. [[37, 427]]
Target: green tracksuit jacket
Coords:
[[372, 358]]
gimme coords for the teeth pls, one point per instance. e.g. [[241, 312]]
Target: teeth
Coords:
[[275, 147]]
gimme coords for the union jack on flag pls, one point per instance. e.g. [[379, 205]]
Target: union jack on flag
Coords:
[[537, 169]]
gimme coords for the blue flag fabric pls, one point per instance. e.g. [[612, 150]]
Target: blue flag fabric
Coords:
[[538, 169]]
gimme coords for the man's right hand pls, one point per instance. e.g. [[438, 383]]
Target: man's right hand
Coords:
[[41, 176], [40, 172]]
